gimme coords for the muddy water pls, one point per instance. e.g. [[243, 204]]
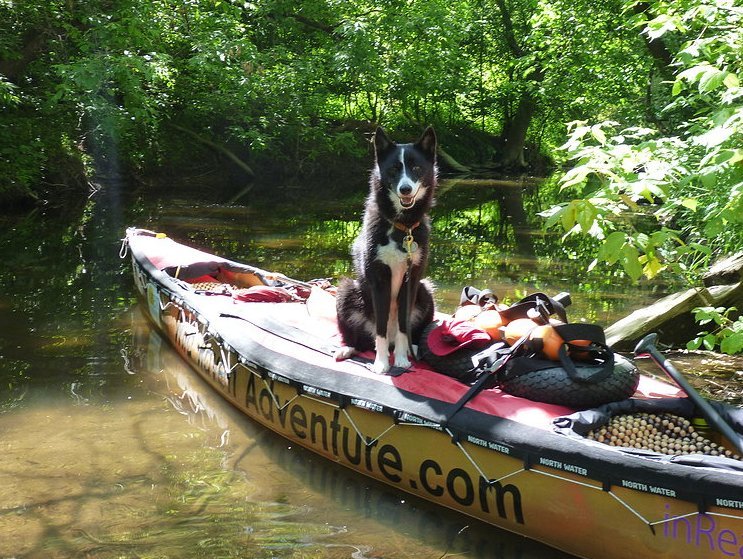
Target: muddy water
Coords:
[[111, 447]]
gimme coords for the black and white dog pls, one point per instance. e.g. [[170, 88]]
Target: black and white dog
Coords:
[[388, 304]]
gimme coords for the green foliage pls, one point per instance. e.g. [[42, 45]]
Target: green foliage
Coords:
[[668, 197], [726, 332], [284, 85]]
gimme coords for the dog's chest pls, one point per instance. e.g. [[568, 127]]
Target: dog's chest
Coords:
[[396, 259]]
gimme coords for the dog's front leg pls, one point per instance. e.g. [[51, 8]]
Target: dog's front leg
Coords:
[[381, 300], [403, 349]]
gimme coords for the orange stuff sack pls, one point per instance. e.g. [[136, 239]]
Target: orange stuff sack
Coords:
[[579, 335], [492, 322], [577, 354], [551, 341], [546, 338], [517, 329]]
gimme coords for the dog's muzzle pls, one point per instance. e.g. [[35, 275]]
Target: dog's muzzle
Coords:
[[407, 193]]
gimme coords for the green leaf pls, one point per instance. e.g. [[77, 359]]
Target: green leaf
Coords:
[[553, 215], [714, 137], [610, 250], [598, 134], [708, 177], [711, 80], [568, 217], [693, 74], [729, 156], [731, 81], [732, 344], [694, 344], [691, 203], [575, 176], [586, 216], [630, 258], [652, 267]]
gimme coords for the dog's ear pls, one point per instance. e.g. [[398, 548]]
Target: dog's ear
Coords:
[[427, 143], [381, 142]]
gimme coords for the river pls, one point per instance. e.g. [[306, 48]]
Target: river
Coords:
[[112, 447]]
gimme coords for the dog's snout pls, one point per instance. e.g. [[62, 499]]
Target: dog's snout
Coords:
[[405, 189]]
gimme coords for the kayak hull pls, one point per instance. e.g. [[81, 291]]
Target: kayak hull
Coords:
[[578, 496]]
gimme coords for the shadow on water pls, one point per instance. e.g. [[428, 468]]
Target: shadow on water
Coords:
[[112, 448]]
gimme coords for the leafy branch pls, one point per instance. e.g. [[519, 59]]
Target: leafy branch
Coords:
[[727, 333]]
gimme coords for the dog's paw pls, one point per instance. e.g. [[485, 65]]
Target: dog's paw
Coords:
[[344, 352], [381, 366], [402, 361]]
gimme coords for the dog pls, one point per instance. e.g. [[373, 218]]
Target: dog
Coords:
[[388, 303]]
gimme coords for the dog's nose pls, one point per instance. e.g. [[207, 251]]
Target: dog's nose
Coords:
[[405, 189]]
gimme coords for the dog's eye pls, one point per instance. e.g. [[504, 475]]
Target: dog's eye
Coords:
[[417, 169]]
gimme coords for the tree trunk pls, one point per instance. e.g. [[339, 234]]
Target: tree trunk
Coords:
[[516, 125], [33, 44], [515, 128], [656, 47]]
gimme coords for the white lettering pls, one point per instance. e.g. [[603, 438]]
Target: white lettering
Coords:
[[576, 469], [634, 485], [316, 391], [662, 491], [729, 503]]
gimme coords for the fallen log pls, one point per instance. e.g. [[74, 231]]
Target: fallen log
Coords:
[[672, 318], [450, 162], [726, 271]]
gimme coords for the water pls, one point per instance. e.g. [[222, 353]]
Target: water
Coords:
[[112, 447]]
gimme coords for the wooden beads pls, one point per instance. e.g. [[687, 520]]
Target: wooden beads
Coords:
[[212, 286], [664, 433]]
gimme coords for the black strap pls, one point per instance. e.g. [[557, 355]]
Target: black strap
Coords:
[[479, 384], [521, 309], [596, 352]]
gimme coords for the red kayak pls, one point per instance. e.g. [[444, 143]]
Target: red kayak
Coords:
[[265, 342]]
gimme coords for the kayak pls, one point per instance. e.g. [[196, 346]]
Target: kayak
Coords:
[[265, 342]]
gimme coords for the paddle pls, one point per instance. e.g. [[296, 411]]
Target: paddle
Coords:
[[647, 347]]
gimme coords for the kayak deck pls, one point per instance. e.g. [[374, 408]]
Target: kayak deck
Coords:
[[515, 463], [304, 325]]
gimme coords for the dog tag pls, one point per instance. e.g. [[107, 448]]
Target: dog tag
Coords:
[[409, 244]]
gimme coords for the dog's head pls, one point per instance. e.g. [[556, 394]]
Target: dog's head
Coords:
[[406, 173]]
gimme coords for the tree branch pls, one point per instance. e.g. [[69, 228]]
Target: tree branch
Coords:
[[218, 147]]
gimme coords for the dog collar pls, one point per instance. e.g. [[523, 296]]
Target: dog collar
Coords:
[[405, 228], [408, 243]]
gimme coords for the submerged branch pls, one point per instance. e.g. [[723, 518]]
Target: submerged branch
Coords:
[[218, 147]]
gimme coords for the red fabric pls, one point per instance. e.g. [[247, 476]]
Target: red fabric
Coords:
[[452, 334], [166, 253], [264, 294], [203, 279]]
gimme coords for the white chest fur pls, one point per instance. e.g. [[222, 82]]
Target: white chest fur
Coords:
[[396, 258]]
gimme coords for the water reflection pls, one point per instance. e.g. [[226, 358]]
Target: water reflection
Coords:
[[411, 527], [126, 476]]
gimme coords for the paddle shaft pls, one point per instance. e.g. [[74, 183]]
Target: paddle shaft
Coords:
[[647, 347]]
